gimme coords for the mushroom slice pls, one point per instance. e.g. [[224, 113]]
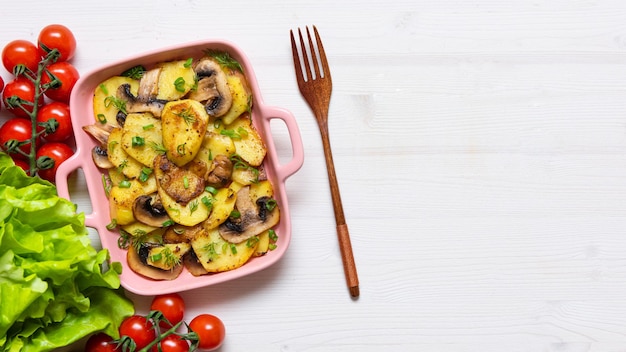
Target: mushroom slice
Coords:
[[134, 104], [100, 157], [213, 89], [193, 265], [181, 183], [149, 85], [99, 131], [253, 219], [222, 170], [149, 210], [138, 262]]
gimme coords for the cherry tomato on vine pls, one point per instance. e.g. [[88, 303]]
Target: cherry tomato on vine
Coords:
[[172, 306], [172, 343], [19, 129], [66, 74], [57, 36], [24, 89], [23, 164], [61, 113], [100, 342], [59, 152], [139, 329], [20, 52], [210, 330]]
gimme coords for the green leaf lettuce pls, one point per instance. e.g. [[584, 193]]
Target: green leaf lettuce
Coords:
[[55, 288]]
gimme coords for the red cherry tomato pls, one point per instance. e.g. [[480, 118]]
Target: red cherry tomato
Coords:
[[61, 113], [18, 129], [100, 342], [23, 164], [172, 306], [67, 76], [59, 152], [24, 89], [20, 52], [56, 36], [172, 343], [139, 329], [210, 330], [1, 84]]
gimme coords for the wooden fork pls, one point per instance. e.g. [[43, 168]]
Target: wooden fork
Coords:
[[316, 90]]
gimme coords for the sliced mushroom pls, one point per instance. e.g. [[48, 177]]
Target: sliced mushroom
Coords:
[[193, 265], [222, 170], [99, 131], [100, 157], [138, 262], [181, 183], [253, 219], [149, 210], [149, 85], [212, 88], [134, 104]]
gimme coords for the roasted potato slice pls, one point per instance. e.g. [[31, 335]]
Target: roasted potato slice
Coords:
[[241, 93], [105, 108], [223, 205], [176, 79], [248, 144], [121, 199], [128, 165], [184, 123], [142, 137], [217, 255]]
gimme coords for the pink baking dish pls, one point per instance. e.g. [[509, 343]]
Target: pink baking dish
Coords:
[[81, 106]]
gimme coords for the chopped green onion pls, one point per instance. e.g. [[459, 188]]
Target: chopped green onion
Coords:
[[138, 141], [124, 184], [145, 174], [148, 127], [211, 190], [169, 222], [185, 182], [113, 224], [179, 84], [188, 63], [101, 118]]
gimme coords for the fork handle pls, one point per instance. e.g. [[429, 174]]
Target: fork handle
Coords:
[[343, 235]]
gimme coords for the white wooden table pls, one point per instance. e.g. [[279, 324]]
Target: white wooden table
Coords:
[[480, 148]]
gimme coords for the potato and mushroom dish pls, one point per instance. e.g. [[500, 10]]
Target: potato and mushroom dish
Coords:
[[183, 167]]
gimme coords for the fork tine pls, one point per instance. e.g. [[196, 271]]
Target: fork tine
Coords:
[[322, 54], [305, 57], [296, 58], [316, 66]]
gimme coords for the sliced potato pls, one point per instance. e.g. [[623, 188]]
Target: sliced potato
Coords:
[[223, 205], [184, 123], [168, 255], [121, 201], [130, 167], [177, 78], [217, 255], [264, 244], [190, 214], [261, 189], [138, 228], [142, 137], [242, 96], [250, 146], [104, 97]]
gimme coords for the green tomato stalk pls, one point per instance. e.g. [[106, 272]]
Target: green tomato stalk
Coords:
[[13, 146]]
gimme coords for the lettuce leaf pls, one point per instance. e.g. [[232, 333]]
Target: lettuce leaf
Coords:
[[55, 288]]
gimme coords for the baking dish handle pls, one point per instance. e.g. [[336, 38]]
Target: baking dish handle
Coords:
[[63, 172], [283, 171]]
